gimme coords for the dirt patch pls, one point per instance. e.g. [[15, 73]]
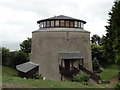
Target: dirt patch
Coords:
[[14, 86], [114, 80]]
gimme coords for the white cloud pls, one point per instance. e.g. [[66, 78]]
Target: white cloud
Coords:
[[16, 24], [18, 17]]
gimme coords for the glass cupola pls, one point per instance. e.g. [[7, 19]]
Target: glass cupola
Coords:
[[61, 21]]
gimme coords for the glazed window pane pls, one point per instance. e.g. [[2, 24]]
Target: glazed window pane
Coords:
[[67, 23], [52, 23], [57, 23]]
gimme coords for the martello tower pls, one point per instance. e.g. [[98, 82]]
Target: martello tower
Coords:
[[59, 46]]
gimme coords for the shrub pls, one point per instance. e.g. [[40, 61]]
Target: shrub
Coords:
[[37, 76], [20, 57], [96, 66], [117, 87], [5, 56], [81, 77]]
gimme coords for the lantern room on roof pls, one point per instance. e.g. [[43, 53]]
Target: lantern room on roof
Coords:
[[61, 21]]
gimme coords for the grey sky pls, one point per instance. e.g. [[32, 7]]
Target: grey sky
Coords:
[[18, 17]]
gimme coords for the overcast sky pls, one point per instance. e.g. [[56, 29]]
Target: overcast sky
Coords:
[[18, 17]]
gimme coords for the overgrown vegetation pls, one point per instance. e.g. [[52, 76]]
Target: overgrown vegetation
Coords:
[[10, 80], [37, 76], [112, 38], [5, 56], [117, 87], [96, 66], [11, 59], [81, 77], [107, 48]]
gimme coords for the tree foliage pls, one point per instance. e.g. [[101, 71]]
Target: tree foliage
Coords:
[[96, 66], [5, 56], [107, 48], [98, 53], [20, 57], [81, 77], [11, 59], [25, 46], [97, 49], [95, 39], [112, 38]]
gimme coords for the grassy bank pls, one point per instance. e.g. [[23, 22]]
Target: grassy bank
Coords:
[[109, 72], [10, 80]]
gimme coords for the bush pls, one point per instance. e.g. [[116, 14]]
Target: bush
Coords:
[[20, 57], [117, 87], [81, 77], [5, 56], [96, 66], [37, 76], [11, 59]]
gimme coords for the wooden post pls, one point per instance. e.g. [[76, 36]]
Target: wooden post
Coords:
[[82, 62]]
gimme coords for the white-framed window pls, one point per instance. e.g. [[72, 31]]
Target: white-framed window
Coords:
[[67, 23], [41, 25], [82, 25], [71, 23], [57, 23], [48, 23], [75, 24], [44, 24], [62, 23], [52, 23], [79, 24]]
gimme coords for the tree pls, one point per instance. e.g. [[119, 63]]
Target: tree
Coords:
[[20, 57], [95, 39], [98, 53], [97, 49], [5, 56], [11, 59], [112, 38], [25, 46], [96, 65]]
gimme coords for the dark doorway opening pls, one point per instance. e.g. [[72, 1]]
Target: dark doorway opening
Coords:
[[67, 64]]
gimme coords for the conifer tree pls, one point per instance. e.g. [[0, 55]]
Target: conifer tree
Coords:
[[112, 38]]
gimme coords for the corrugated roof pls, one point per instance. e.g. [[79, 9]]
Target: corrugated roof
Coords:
[[70, 55], [61, 17], [25, 67]]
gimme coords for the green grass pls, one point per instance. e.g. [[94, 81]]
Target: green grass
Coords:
[[10, 80], [0, 76], [109, 72]]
